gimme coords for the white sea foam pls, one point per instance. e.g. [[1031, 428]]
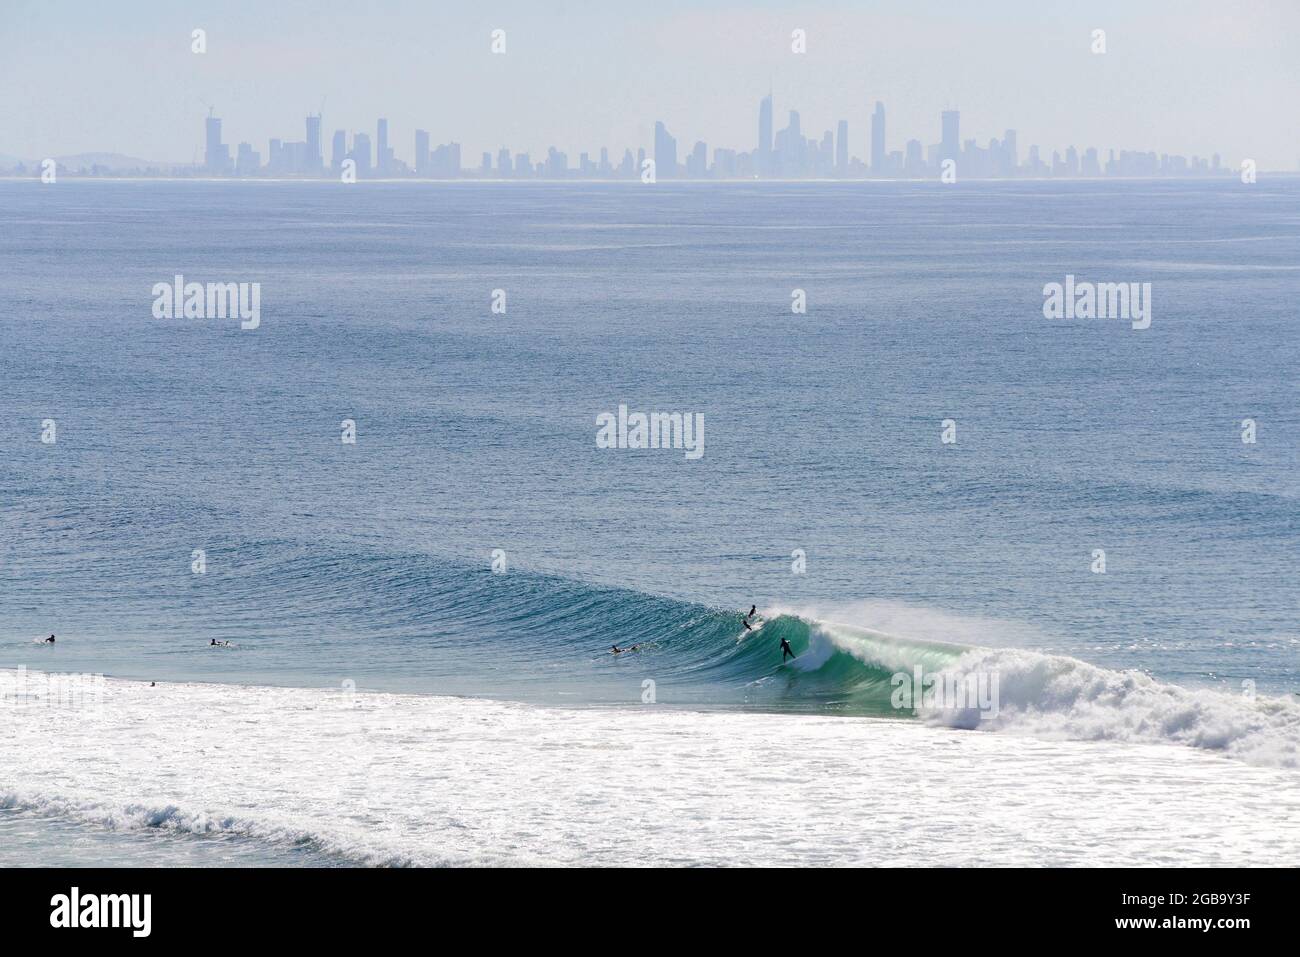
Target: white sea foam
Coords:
[[384, 778], [1059, 697]]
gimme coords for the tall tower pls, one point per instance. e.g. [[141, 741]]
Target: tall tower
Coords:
[[422, 152], [338, 150], [216, 155], [842, 148], [878, 140], [765, 134], [665, 152], [950, 146], [361, 153], [315, 160], [381, 147]]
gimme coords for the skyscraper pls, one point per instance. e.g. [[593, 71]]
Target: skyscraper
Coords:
[[665, 152], [338, 150], [878, 140], [913, 161], [247, 160], [1009, 146], [315, 158], [216, 156], [842, 148], [361, 153], [421, 152], [383, 155], [790, 149], [697, 161], [950, 145], [765, 135]]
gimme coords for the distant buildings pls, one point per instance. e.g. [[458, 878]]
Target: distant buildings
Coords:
[[421, 152], [247, 160], [665, 152], [878, 139], [784, 153], [315, 159], [216, 155], [338, 151], [385, 164], [950, 145], [360, 154], [763, 159]]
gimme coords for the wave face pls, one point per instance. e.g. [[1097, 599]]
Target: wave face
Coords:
[[414, 623], [860, 670]]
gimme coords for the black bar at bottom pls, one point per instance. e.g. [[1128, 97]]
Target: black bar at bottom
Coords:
[[215, 907]]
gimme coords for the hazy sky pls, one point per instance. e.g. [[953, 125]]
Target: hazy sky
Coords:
[[1180, 76]]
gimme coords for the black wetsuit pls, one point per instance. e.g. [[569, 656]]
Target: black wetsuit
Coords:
[[786, 651]]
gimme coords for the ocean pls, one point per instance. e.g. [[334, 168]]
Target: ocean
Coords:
[[1093, 523]]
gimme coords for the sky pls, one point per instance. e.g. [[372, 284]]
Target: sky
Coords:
[[1178, 76]]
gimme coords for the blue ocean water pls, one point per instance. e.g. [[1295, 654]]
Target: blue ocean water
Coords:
[[329, 562]]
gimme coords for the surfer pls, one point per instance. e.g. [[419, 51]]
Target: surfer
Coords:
[[786, 650], [753, 610], [616, 650], [49, 640]]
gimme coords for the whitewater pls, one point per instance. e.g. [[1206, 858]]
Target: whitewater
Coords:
[[1057, 696], [408, 779]]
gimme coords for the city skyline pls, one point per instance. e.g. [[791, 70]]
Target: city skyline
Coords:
[[129, 82], [784, 153]]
